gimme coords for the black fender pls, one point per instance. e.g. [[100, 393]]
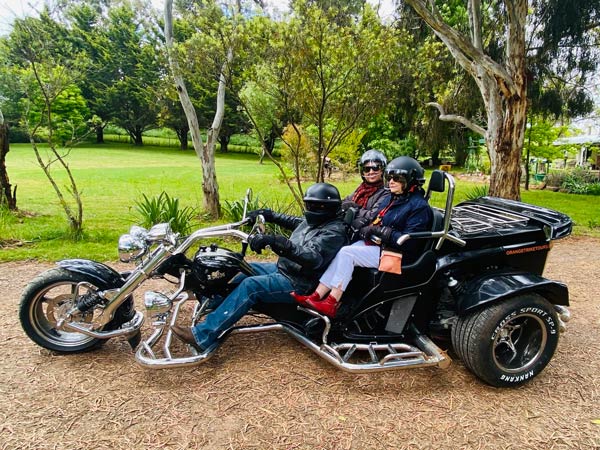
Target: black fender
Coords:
[[492, 288], [105, 276]]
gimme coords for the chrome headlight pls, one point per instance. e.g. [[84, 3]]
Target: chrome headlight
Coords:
[[131, 248], [160, 232]]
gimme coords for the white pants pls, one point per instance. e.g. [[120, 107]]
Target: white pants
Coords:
[[339, 272]]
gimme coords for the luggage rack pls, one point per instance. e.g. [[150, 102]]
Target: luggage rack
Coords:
[[468, 219]]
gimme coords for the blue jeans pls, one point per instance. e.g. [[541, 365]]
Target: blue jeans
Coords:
[[269, 286]]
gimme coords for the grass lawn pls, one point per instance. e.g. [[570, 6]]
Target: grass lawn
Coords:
[[112, 177]]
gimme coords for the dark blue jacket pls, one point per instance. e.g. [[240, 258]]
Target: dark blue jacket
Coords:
[[408, 214]]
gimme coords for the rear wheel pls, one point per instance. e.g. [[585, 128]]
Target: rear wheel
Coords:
[[508, 343], [46, 300]]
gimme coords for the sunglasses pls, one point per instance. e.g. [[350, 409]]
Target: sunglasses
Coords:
[[367, 169], [396, 177]]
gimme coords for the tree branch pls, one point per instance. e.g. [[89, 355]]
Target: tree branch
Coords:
[[459, 119], [458, 44]]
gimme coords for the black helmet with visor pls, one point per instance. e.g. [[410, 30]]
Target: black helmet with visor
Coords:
[[322, 202], [405, 169]]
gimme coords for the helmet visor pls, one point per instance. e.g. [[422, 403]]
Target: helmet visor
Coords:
[[399, 176]]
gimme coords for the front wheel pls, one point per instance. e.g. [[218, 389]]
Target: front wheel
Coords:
[[508, 343], [46, 300]]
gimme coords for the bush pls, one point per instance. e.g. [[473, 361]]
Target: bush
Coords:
[[555, 178], [580, 181], [162, 208]]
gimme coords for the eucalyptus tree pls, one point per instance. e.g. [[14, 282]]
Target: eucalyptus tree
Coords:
[[498, 65], [211, 41]]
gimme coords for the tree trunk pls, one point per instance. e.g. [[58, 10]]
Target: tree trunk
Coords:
[[182, 135], [205, 153], [503, 87], [99, 134], [7, 196], [224, 141], [136, 135]]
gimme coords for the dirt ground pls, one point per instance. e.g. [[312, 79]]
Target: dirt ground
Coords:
[[267, 391]]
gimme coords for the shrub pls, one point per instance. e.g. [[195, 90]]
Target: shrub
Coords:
[[579, 181], [555, 178], [477, 192], [163, 208]]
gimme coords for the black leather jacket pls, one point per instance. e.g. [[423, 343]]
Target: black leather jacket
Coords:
[[313, 248]]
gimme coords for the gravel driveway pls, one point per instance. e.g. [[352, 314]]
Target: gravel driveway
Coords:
[[267, 391]]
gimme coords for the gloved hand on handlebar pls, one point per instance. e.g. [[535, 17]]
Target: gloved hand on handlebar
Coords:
[[266, 213], [383, 233], [279, 244]]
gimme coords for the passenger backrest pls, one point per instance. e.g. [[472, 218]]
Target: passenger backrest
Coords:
[[436, 183]]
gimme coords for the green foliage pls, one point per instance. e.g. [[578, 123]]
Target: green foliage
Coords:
[[233, 212], [345, 156], [163, 208], [540, 137], [581, 181], [555, 177], [477, 192]]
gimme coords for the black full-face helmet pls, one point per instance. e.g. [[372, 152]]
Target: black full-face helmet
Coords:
[[322, 202], [406, 169], [370, 158]]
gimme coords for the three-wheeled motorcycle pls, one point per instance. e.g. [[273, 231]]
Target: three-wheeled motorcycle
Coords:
[[478, 285]]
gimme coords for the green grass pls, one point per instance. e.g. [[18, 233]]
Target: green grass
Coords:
[[112, 177]]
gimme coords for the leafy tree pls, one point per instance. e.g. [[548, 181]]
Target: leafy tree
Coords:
[[131, 60], [334, 75], [87, 24], [498, 67], [48, 69]]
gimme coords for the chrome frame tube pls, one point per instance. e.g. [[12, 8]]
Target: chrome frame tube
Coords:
[[136, 324], [144, 271]]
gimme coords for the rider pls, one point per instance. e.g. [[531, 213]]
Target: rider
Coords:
[[406, 212], [303, 258], [370, 194]]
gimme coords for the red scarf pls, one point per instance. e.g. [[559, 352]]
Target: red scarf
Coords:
[[364, 192]]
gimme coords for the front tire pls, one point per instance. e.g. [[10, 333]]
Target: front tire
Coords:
[[44, 301], [508, 343]]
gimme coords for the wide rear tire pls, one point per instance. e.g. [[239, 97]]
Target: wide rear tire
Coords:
[[44, 300], [508, 343]]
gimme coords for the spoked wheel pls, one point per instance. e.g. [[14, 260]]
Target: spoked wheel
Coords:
[[509, 343], [46, 300]]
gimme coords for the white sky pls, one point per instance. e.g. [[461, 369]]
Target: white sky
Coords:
[[9, 9]]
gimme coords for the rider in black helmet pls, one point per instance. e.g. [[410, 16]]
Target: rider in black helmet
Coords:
[[303, 257]]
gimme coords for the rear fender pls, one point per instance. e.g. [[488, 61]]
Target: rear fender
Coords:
[[105, 276], [492, 288]]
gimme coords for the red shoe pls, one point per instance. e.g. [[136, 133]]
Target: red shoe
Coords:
[[302, 299], [327, 306]]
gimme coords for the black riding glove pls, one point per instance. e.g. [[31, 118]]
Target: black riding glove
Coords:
[[383, 233], [266, 213], [279, 244], [347, 204]]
